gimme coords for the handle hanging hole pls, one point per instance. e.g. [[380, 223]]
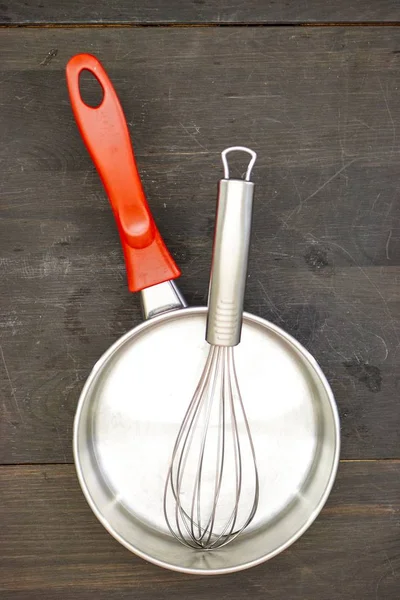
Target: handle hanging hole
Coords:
[[91, 90], [238, 149]]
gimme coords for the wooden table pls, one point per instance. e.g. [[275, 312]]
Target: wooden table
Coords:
[[315, 91]]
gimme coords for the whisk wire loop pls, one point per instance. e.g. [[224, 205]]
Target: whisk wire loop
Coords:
[[202, 518]]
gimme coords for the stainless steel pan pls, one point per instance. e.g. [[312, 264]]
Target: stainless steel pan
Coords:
[[132, 404]]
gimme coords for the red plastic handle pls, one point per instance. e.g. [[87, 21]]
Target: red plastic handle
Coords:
[[105, 133]]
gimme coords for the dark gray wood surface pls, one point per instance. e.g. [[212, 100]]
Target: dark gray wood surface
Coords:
[[351, 552], [198, 11], [321, 109], [320, 106]]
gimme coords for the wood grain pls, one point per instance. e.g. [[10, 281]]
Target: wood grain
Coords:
[[320, 108], [197, 11], [52, 546]]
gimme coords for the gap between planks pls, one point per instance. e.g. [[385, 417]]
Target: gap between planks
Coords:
[[69, 25], [69, 464]]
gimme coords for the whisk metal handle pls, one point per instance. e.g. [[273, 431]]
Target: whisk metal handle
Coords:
[[230, 256]]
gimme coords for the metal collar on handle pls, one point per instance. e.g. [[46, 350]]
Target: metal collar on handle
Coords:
[[238, 149]]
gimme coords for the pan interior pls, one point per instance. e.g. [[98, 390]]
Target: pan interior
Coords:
[[130, 412]]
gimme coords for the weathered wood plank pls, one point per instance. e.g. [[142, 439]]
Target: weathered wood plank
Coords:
[[198, 11], [51, 544], [320, 108]]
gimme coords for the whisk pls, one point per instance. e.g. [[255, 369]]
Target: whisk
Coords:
[[212, 488]]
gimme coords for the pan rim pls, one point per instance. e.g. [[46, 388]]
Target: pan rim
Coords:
[[102, 361]]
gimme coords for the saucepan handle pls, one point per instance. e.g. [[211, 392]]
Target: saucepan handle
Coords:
[[106, 136]]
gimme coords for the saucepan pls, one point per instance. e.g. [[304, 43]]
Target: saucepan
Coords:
[[133, 401]]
